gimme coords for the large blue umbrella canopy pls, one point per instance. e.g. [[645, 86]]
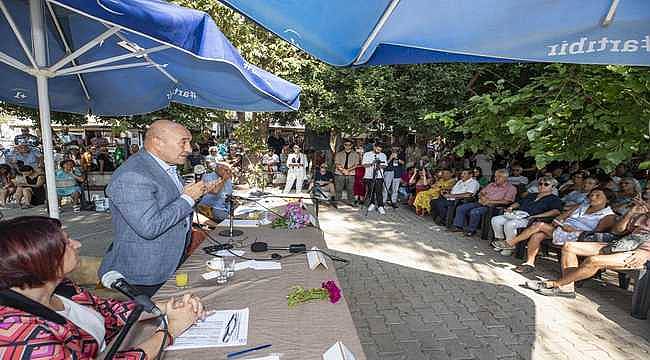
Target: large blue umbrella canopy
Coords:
[[124, 57], [371, 32]]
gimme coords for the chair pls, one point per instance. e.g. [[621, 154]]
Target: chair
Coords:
[[486, 231]]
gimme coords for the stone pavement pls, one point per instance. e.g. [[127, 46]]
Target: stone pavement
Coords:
[[419, 292]]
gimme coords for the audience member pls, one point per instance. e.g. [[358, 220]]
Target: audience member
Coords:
[[498, 193], [420, 181], [478, 175], [297, 167], [484, 163], [517, 178], [323, 180], [68, 179], [579, 195], [375, 163], [217, 200], [533, 206], [635, 229], [25, 138], [443, 185], [276, 142], [7, 184], [393, 174], [567, 227], [465, 188], [359, 188], [25, 155], [576, 183], [104, 161], [30, 187], [345, 163], [630, 189]]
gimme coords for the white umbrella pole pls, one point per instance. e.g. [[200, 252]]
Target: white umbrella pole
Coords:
[[38, 43]]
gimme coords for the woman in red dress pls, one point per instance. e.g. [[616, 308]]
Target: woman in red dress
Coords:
[[359, 189]]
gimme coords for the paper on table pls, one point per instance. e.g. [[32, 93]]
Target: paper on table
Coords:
[[315, 258], [338, 351], [258, 265], [210, 332], [270, 357], [225, 253], [239, 223]]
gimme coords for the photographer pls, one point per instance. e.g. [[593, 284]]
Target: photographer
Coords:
[[374, 163], [392, 175]]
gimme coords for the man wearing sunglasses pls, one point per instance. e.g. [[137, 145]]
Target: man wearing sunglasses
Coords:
[[346, 162]]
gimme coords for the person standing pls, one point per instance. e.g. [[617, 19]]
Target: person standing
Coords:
[[374, 163], [346, 162], [151, 209], [297, 165], [393, 174]]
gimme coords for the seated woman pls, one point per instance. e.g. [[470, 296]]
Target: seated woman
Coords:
[[478, 175], [323, 180], [39, 308], [595, 216], [7, 185], [635, 226], [533, 206], [579, 196], [30, 187], [575, 184], [67, 183], [630, 189], [419, 181], [443, 185]]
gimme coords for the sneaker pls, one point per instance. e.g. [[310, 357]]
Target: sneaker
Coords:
[[556, 292], [506, 252], [502, 245], [371, 207], [381, 210]]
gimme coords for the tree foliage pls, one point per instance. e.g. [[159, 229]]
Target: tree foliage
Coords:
[[567, 112]]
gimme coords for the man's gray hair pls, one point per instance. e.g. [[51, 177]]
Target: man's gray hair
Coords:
[[502, 172]]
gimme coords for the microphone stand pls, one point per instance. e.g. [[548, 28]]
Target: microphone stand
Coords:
[[130, 321], [230, 232]]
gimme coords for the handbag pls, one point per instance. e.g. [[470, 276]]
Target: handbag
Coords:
[[626, 243], [592, 236]]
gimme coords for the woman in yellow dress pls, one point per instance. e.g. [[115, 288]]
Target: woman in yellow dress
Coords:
[[423, 199]]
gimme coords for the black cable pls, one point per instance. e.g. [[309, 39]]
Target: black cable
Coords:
[[166, 334]]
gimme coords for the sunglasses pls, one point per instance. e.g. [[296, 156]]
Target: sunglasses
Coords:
[[544, 184]]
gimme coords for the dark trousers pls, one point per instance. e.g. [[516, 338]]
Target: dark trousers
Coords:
[[440, 207], [375, 187], [472, 212]]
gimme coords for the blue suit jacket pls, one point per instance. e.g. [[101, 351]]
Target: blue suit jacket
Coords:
[[149, 222]]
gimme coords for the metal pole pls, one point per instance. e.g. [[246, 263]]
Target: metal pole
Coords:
[[38, 45]]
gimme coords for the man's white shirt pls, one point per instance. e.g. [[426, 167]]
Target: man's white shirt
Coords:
[[369, 158], [465, 186]]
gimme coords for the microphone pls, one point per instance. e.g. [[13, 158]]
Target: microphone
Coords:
[[260, 246], [115, 280], [199, 170]]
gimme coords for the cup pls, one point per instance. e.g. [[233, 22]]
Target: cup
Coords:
[[229, 268], [215, 264], [182, 279]]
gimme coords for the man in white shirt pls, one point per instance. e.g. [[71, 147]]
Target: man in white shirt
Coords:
[[375, 162], [297, 165], [465, 188]]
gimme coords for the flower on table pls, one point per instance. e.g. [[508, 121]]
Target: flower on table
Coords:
[[333, 291], [300, 295]]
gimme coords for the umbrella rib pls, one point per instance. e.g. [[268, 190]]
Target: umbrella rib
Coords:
[[375, 31], [68, 50], [78, 68], [14, 63], [609, 18], [22, 42], [148, 59], [85, 48], [114, 67]]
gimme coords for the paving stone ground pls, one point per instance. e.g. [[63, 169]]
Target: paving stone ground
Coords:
[[417, 291]]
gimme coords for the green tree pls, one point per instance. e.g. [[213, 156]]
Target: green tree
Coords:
[[568, 112]]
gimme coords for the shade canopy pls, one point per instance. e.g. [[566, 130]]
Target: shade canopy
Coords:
[[123, 57], [370, 32]]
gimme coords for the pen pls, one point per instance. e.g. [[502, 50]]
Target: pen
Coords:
[[232, 317], [237, 353]]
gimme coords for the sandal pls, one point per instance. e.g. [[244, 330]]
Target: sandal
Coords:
[[536, 285], [524, 269], [557, 292]]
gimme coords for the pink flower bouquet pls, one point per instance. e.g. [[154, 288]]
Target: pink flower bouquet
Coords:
[[328, 290]]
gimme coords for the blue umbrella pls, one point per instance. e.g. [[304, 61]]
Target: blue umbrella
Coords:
[[348, 33], [119, 57]]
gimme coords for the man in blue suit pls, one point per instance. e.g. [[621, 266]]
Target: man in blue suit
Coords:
[[152, 210]]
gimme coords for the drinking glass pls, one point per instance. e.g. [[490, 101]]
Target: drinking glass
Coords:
[[182, 278]]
